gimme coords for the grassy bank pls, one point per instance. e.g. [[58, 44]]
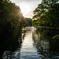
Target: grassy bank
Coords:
[[42, 27]]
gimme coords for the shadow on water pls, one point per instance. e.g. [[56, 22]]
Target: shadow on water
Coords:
[[34, 44], [10, 49], [47, 47]]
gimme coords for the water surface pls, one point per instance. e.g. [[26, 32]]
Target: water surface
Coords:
[[36, 44]]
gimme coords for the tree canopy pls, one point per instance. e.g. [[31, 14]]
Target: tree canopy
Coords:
[[10, 28], [46, 14]]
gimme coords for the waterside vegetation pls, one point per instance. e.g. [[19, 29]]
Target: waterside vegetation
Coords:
[[47, 14], [11, 23]]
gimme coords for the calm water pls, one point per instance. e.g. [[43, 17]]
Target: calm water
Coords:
[[36, 44]]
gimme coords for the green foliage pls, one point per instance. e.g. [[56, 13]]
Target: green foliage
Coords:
[[24, 25], [55, 37], [10, 16], [47, 14], [49, 1], [41, 9], [11, 22], [28, 21]]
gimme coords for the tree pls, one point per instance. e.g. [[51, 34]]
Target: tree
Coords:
[[10, 29], [43, 8], [49, 1], [50, 18], [39, 11], [45, 12]]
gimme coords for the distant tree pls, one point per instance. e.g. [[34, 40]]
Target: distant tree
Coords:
[[28, 21]]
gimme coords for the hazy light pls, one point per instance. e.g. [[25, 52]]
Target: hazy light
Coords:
[[25, 8]]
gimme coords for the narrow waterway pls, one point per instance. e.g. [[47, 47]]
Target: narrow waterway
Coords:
[[28, 51], [36, 44]]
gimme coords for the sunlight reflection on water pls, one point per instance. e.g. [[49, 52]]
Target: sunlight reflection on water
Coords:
[[27, 50], [37, 44]]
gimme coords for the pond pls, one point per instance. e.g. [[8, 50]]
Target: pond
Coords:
[[36, 44]]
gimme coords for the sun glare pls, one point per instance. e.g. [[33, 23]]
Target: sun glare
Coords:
[[25, 8]]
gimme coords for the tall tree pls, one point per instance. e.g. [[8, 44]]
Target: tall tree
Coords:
[[43, 8], [10, 20]]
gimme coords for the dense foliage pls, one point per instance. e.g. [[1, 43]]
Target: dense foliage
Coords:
[[28, 21], [11, 23], [10, 28], [46, 14]]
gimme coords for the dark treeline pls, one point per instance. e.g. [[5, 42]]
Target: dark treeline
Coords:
[[11, 22], [28, 21], [10, 15], [47, 14]]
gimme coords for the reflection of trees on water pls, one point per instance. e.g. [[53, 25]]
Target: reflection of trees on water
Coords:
[[15, 53], [11, 55], [46, 46]]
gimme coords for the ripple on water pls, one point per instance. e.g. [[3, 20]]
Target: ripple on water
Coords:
[[27, 50]]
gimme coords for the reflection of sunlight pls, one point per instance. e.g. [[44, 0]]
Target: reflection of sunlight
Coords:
[[27, 50], [25, 8], [28, 40]]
